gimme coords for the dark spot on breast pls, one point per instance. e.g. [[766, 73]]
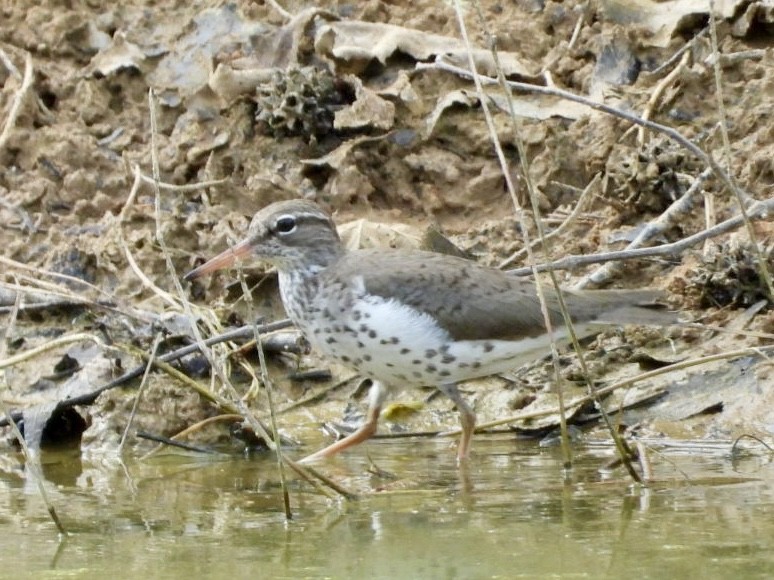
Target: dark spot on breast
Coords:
[[463, 365], [448, 358], [416, 361], [405, 350], [476, 365], [383, 341], [367, 357], [431, 368], [363, 328], [488, 347], [401, 377], [330, 340], [327, 313], [389, 365], [444, 373], [345, 359], [336, 328], [360, 344], [371, 334], [367, 315], [317, 330], [417, 375], [356, 315], [395, 340], [431, 352]]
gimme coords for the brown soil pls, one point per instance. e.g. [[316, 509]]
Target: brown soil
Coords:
[[67, 169]]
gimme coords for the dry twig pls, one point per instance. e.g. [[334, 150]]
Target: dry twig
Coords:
[[666, 220], [18, 99], [33, 459], [759, 210]]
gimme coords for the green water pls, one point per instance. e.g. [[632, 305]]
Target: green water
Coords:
[[512, 514]]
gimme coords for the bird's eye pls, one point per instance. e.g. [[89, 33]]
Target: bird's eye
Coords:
[[286, 224]]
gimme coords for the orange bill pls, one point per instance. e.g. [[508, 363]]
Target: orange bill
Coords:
[[222, 260]]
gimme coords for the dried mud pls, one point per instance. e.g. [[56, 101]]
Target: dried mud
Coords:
[[68, 166]]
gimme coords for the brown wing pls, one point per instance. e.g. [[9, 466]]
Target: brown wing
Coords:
[[471, 301]]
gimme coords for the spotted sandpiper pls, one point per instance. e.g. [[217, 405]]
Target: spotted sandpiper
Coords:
[[413, 318]]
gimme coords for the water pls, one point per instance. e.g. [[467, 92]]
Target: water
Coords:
[[513, 514]]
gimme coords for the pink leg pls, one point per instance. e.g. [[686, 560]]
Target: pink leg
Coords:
[[376, 399], [467, 420]]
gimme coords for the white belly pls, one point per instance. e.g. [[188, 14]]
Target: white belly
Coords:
[[388, 341]]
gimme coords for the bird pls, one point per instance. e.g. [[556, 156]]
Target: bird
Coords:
[[412, 317]]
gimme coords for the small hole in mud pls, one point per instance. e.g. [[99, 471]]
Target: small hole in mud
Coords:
[[317, 175], [191, 173], [49, 99]]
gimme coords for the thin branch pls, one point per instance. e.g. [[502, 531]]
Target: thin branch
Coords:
[[656, 227], [89, 398], [180, 188], [493, 135], [18, 99], [531, 415], [759, 210], [140, 390], [147, 282], [56, 343], [658, 91], [161, 440], [580, 206], [670, 132], [761, 261], [56, 275], [34, 470], [677, 56], [248, 296]]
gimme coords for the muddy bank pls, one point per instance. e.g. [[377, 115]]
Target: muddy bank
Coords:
[[349, 105]]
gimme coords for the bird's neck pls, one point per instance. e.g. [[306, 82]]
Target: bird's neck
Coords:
[[311, 261], [299, 279]]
